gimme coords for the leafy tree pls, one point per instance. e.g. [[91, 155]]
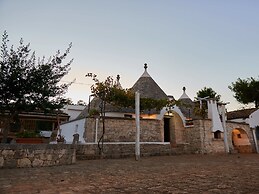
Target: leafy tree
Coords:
[[246, 90], [200, 108], [29, 85], [208, 92]]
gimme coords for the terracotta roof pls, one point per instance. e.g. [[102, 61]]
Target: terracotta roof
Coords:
[[244, 113]]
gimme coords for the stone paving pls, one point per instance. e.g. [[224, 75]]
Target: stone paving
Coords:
[[233, 173]]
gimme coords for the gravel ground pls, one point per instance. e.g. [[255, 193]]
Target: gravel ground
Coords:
[[235, 173]]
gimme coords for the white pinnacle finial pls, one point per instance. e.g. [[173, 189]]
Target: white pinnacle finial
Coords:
[[184, 95]]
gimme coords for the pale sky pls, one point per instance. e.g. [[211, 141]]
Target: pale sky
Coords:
[[191, 43]]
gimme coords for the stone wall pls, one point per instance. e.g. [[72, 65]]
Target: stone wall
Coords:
[[192, 138], [124, 130], [198, 138], [35, 155], [243, 127], [208, 142], [122, 150]]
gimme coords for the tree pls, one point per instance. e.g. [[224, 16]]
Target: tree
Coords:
[[208, 92], [201, 108], [246, 90], [27, 85]]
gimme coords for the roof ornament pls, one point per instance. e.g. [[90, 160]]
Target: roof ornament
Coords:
[[118, 77], [145, 74], [117, 83], [145, 66], [184, 95]]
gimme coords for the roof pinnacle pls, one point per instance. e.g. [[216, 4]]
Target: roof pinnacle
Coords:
[[117, 83], [145, 66], [184, 95]]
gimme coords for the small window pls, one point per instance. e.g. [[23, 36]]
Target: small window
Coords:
[[239, 135], [217, 135]]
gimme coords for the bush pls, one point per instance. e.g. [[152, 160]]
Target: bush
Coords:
[[27, 134]]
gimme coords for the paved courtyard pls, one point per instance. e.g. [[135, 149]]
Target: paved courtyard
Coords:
[[236, 173]]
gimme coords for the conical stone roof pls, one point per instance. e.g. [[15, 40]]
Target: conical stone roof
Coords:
[[147, 87], [186, 105]]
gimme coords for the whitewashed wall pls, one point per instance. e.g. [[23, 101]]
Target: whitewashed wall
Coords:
[[254, 119], [69, 129]]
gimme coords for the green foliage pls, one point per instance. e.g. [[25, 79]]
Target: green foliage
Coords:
[[208, 92], [201, 111], [30, 85], [149, 104], [27, 134], [110, 93], [94, 112], [246, 90]]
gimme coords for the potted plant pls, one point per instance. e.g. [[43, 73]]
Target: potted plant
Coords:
[[60, 139], [28, 137]]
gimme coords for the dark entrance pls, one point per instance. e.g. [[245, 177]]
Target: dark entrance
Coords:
[[166, 129]]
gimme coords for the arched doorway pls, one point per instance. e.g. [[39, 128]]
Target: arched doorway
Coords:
[[167, 127], [241, 141], [173, 129]]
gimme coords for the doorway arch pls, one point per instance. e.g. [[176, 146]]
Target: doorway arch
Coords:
[[240, 141], [173, 129]]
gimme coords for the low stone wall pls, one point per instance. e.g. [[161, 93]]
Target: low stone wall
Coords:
[[122, 150], [36, 155]]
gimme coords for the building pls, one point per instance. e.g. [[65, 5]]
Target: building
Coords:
[[180, 128], [35, 121], [73, 110]]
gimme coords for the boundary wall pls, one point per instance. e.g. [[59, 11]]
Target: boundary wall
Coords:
[[36, 155]]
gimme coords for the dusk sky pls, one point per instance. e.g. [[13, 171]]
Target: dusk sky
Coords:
[[191, 43]]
